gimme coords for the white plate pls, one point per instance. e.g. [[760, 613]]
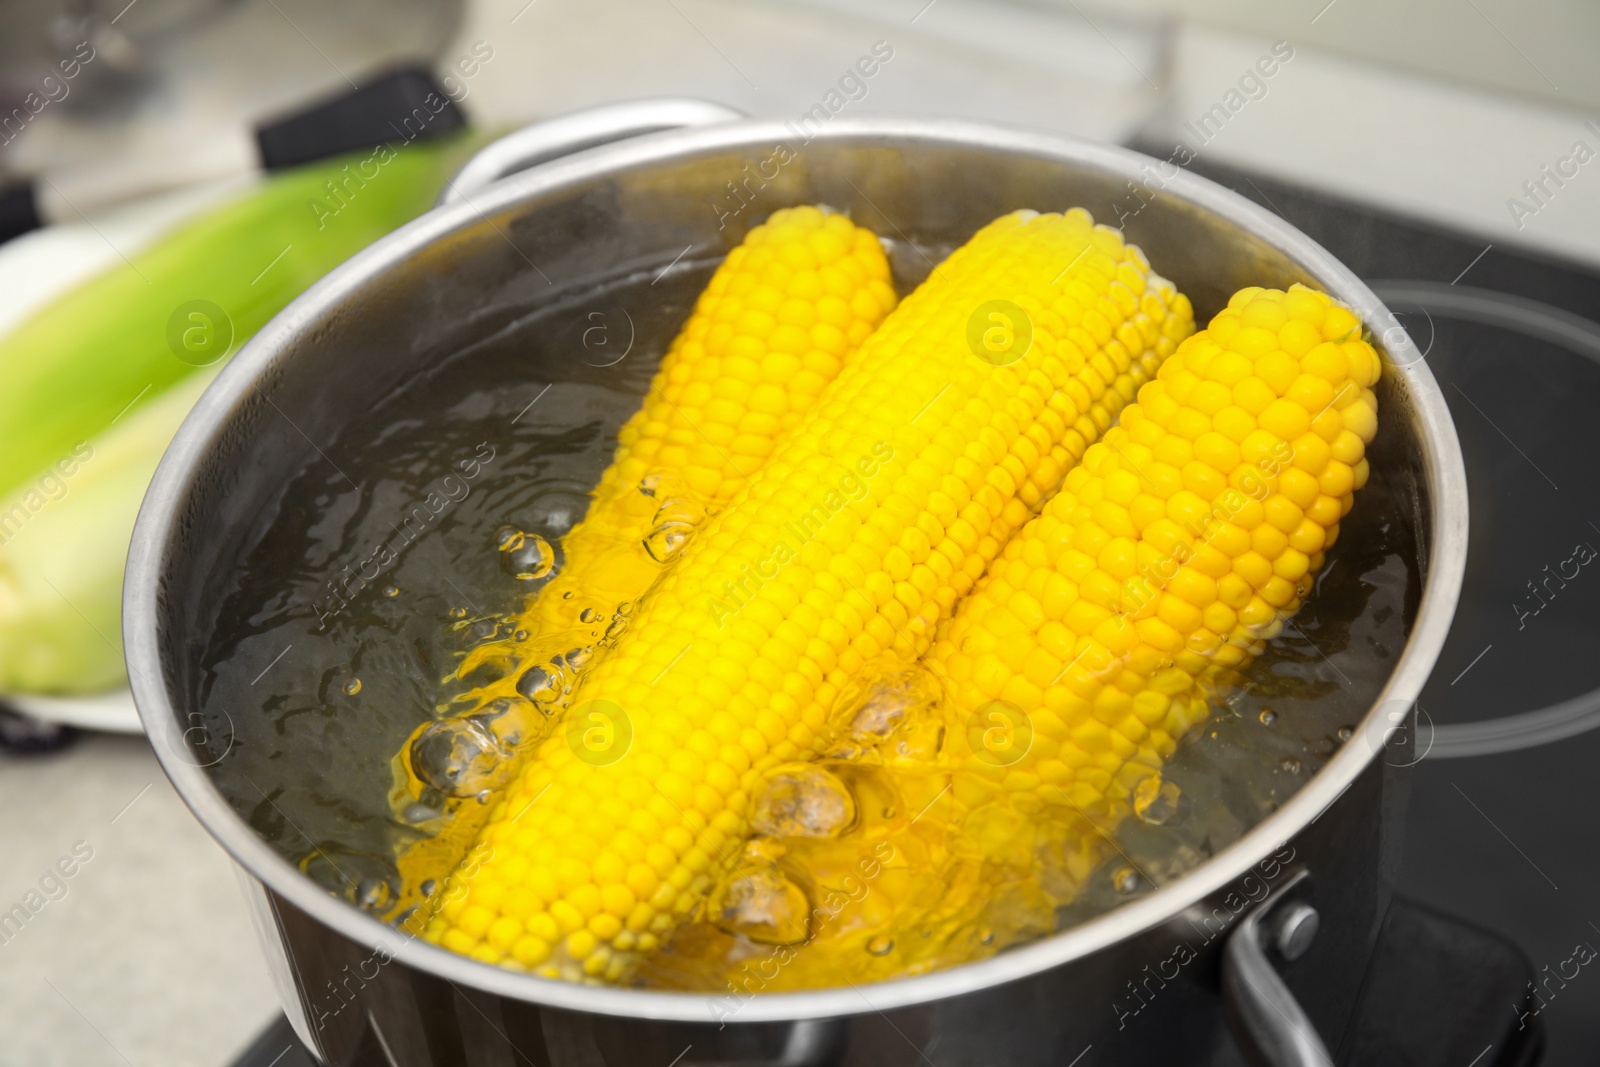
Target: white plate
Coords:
[[111, 712]]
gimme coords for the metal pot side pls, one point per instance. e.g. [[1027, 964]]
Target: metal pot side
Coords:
[[564, 226]]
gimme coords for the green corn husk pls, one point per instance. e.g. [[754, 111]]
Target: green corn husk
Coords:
[[123, 348], [63, 540], [69, 369]]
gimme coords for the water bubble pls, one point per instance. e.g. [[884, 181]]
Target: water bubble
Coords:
[[458, 613], [520, 635], [515, 722], [661, 485], [890, 703], [1290, 764], [391, 590], [364, 879], [415, 813], [1156, 801], [679, 509], [803, 800], [1268, 716], [588, 615], [577, 657], [759, 902], [459, 757], [986, 937], [567, 595], [1126, 880], [480, 632], [542, 685], [1346, 732], [372, 893], [881, 945], [428, 886], [485, 796], [525, 556], [352, 687], [667, 540]]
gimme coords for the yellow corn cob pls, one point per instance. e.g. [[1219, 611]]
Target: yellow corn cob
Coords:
[[1181, 542], [773, 327], [1168, 556], [846, 548]]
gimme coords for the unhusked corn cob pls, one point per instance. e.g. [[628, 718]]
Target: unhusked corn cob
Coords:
[[845, 549], [1182, 541], [775, 324]]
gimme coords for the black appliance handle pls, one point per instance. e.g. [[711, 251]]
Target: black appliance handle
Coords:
[[1271, 1028]]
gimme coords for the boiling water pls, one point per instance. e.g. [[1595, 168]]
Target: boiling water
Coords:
[[439, 510]]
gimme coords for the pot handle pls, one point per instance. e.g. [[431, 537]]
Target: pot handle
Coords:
[[554, 138], [1268, 1023]]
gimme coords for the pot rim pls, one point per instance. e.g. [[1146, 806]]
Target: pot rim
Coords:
[[163, 505]]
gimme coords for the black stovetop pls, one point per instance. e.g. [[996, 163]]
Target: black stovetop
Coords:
[[1510, 839], [1504, 840]]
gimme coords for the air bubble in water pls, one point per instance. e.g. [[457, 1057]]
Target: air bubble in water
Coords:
[[391, 590], [415, 813], [372, 893], [588, 615], [758, 901], [366, 880], [542, 685], [352, 687], [667, 540], [803, 800], [459, 757], [1291, 765], [1268, 717], [513, 721], [881, 945], [458, 613], [525, 556], [889, 703], [1126, 880], [1155, 801]]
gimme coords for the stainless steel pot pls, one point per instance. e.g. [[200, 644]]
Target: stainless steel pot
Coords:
[[1115, 989]]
